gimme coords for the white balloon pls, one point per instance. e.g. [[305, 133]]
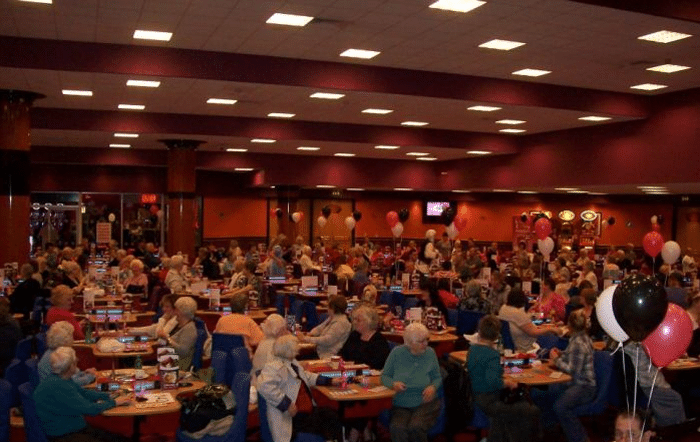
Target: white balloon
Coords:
[[296, 217], [397, 230], [546, 246], [321, 221], [350, 222], [451, 231], [606, 316], [111, 218], [654, 219], [670, 252]]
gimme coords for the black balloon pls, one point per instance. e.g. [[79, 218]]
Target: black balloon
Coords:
[[611, 221], [639, 305], [326, 211], [278, 213], [357, 215], [523, 217], [448, 215], [659, 219], [403, 215]]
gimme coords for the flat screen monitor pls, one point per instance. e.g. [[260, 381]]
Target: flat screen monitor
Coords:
[[432, 210]]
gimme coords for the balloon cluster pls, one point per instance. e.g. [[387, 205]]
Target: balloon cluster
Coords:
[[454, 222], [543, 228], [323, 219], [276, 212], [638, 310], [350, 221], [396, 220]]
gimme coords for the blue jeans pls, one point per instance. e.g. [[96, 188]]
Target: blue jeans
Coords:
[[571, 398]]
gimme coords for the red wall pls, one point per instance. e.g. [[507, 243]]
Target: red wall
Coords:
[[234, 216]]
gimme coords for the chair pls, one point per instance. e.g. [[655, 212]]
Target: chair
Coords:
[[219, 361], [237, 433], [16, 375], [199, 349], [265, 433], [437, 429], [226, 342], [452, 317], [32, 425], [603, 366], [506, 336], [410, 302], [32, 366], [5, 398], [312, 317], [41, 345], [23, 350], [240, 360], [297, 309], [549, 341], [468, 321]]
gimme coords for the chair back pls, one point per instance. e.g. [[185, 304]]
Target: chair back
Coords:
[[240, 361], [41, 345], [550, 341], [23, 351], [199, 349], [452, 317], [32, 425], [468, 321], [41, 306], [312, 318], [32, 366], [16, 375], [265, 433], [506, 336], [226, 342], [297, 309], [603, 366], [219, 361], [5, 398], [410, 302]]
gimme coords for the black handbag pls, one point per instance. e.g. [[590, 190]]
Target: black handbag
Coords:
[[212, 402]]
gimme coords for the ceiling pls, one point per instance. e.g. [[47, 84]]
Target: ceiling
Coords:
[[430, 69]]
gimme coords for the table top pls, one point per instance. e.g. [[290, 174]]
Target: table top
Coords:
[[256, 315], [356, 392], [532, 376], [684, 364], [147, 349], [127, 317], [435, 337]]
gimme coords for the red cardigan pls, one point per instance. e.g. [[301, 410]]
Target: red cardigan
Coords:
[[56, 314]]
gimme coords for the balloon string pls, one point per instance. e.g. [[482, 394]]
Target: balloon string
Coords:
[[624, 374], [651, 393], [636, 378]]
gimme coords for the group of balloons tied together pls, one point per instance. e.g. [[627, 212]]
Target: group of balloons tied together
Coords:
[[396, 220], [545, 243], [295, 217], [350, 221], [637, 310], [654, 244]]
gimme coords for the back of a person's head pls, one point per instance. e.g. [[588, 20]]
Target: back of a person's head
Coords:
[[589, 296], [577, 321], [516, 298], [490, 328]]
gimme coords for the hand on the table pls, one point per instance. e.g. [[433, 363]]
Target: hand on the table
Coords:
[[428, 393], [292, 410], [123, 400], [91, 370], [399, 386], [554, 353]]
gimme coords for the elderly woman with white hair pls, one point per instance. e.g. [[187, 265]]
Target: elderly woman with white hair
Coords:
[[137, 283], [60, 334], [273, 327], [412, 371], [184, 336], [285, 386], [73, 276], [175, 280], [61, 403], [307, 265], [276, 267]]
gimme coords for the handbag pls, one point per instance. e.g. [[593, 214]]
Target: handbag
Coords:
[[209, 403]]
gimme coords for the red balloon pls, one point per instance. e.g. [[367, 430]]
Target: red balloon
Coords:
[[392, 218], [671, 338], [543, 227], [153, 209], [460, 222], [653, 242]]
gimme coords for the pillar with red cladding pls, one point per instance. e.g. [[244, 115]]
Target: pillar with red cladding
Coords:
[[182, 212], [14, 174]]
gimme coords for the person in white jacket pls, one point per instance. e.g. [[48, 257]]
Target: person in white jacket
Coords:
[[285, 386]]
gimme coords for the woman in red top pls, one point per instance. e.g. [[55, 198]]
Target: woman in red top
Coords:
[[62, 300], [550, 303]]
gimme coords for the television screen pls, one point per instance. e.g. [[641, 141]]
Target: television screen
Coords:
[[435, 208]]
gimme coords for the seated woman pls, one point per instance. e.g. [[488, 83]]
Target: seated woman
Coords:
[[10, 335], [73, 276], [237, 323], [412, 371], [550, 303], [285, 385], [369, 294], [61, 403], [246, 282], [429, 297], [137, 284], [365, 345], [167, 321], [473, 300], [273, 327], [184, 336], [62, 300], [210, 268], [60, 334], [330, 335], [277, 267], [175, 280], [522, 329], [516, 422], [22, 298]]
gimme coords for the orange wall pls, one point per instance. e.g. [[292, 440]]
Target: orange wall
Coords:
[[234, 216]]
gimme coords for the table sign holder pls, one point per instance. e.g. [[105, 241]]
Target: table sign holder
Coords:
[[168, 369], [214, 299]]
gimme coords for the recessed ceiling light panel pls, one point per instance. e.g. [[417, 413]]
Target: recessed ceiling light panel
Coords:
[[664, 36], [457, 5], [141, 34], [80, 93], [668, 68], [280, 115], [648, 86], [327, 95], [263, 140], [426, 158], [529, 72], [501, 45], [359, 53], [288, 19], [483, 108], [355, 189], [511, 122], [344, 154], [236, 149], [478, 152], [513, 131], [308, 148], [125, 135], [417, 154], [227, 101], [120, 146], [143, 83], [243, 169], [132, 106], [403, 189], [594, 118], [386, 147], [414, 123], [377, 111]]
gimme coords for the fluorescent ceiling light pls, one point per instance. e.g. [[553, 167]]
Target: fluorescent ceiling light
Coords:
[[120, 146], [386, 147], [651, 187], [597, 193], [280, 115], [512, 131], [668, 68], [327, 95], [262, 140], [221, 101], [359, 53], [377, 111], [461, 191], [511, 122], [152, 35], [344, 154], [46, 2], [355, 189], [566, 189], [478, 152], [309, 148], [483, 108], [77, 92], [143, 83], [402, 189], [501, 45], [648, 86], [426, 158], [288, 19], [417, 154], [658, 192], [243, 169], [576, 191], [132, 106], [457, 5], [594, 118], [501, 190], [664, 36], [236, 149], [414, 123], [527, 192], [325, 186], [528, 72], [125, 135]]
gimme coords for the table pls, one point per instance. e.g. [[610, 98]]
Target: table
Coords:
[[532, 376], [146, 349], [682, 364], [442, 342]]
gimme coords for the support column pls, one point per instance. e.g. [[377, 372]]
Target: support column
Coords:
[[182, 215], [14, 174]]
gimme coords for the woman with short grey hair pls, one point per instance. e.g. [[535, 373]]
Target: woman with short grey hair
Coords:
[[472, 300], [60, 334], [184, 336], [273, 327], [175, 281], [412, 371]]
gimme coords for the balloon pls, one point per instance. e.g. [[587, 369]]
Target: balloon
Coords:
[[277, 212], [326, 211], [392, 218], [639, 304], [321, 220], [543, 227], [350, 222], [523, 217], [606, 317], [297, 216], [452, 231], [654, 219], [670, 252], [448, 215], [111, 218], [659, 219], [611, 221], [460, 222], [403, 215], [653, 242], [546, 246], [671, 338], [153, 209], [397, 230], [357, 215]]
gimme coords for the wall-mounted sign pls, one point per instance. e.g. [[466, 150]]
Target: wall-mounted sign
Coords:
[[588, 215], [567, 215], [149, 198]]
